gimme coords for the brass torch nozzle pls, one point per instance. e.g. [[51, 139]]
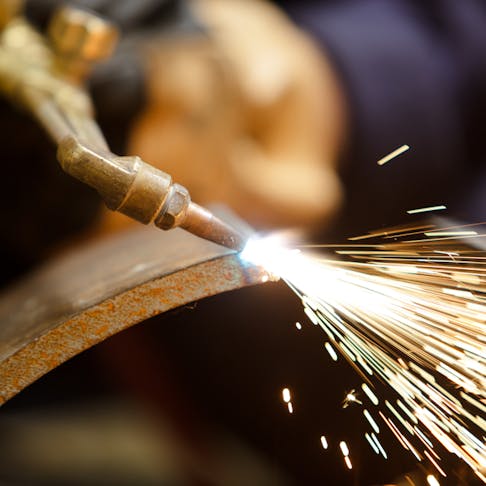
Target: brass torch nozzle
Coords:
[[201, 222], [143, 192], [50, 87]]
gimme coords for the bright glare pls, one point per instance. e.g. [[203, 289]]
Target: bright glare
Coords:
[[401, 312], [316, 278], [432, 480]]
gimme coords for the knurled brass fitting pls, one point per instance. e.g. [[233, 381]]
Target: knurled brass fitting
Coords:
[[79, 39], [139, 190], [127, 184]]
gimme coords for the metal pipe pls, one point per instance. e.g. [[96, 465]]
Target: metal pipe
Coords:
[[81, 298]]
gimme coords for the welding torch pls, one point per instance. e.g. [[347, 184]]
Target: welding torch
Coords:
[[45, 75]]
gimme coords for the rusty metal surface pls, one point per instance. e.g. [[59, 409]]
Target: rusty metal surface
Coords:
[[84, 297]]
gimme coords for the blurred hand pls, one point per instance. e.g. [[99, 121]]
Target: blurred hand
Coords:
[[251, 115]]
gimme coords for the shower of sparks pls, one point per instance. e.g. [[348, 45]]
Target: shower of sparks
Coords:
[[426, 210], [408, 311], [392, 155]]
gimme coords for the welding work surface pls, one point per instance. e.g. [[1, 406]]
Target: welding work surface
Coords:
[[89, 294]]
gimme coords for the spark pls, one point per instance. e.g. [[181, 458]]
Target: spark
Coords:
[[350, 398], [372, 443], [392, 155], [378, 444], [434, 462], [344, 448], [286, 395], [290, 407], [331, 351], [298, 325], [371, 420], [405, 314], [448, 253], [432, 480], [312, 316], [371, 395], [426, 210], [450, 233], [324, 443]]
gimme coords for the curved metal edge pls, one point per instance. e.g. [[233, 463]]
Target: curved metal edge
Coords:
[[115, 314]]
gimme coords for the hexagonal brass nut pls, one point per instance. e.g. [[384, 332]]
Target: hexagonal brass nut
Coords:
[[175, 209], [80, 34]]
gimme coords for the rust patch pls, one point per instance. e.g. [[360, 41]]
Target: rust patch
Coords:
[[71, 336]]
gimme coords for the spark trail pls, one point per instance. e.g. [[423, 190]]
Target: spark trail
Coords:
[[406, 309]]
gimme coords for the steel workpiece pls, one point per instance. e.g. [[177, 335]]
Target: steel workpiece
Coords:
[[93, 292]]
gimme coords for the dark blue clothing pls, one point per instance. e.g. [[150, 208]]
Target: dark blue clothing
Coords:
[[414, 73]]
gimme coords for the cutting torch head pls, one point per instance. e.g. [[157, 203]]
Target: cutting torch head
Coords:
[[201, 222]]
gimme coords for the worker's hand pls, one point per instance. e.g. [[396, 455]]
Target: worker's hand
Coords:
[[252, 117]]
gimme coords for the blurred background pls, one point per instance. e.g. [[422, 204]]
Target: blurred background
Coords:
[[279, 110]]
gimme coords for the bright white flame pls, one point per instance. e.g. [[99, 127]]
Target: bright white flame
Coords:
[[298, 268], [317, 279]]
